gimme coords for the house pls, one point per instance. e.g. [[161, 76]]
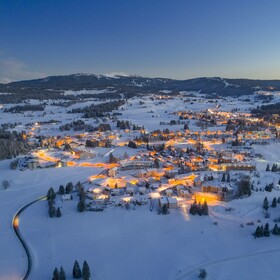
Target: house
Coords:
[[33, 163], [61, 163], [112, 172], [171, 202], [66, 197], [163, 201], [224, 190], [130, 190], [142, 190], [185, 193], [116, 192], [169, 192]]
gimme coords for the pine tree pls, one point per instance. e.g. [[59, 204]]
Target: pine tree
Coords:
[[265, 204], [192, 209], [278, 200], [156, 163], [52, 211], [77, 273], [112, 159], [86, 271], [164, 209], [275, 230], [55, 274], [205, 208], [266, 231], [267, 168], [62, 275], [69, 187], [81, 206], [274, 202], [61, 189], [261, 231], [228, 178], [58, 212], [202, 274], [51, 194], [224, 178], [199, 209], [257, 232]]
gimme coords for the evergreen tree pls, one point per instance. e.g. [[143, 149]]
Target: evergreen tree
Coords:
[[55, 274], [156, 163], [278, 200], [81, 206], [202, 274], [257, 232], [276, 230], [51, 203], [69, 187], [82, 194], [204, 208], [52, 211], [193, 209], [244, 186], [274, 202], [265, 204], [261, 231], [86, 271], [51, 194], [77, 273], [164, 209], [199, 209], [61, 189], [58, 212], [266, 231], [112, 159], [267, 168], [62, 275], [228, 178], [224, 178]]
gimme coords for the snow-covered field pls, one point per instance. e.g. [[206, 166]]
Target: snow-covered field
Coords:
[[139, 244], [25, 187], [134, 244]]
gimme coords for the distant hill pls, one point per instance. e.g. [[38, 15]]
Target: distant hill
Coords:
[[138, 84]]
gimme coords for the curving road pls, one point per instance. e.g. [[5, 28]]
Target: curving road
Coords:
[[15, 224]]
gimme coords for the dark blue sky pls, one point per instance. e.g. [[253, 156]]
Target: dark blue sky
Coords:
[[167, 38]]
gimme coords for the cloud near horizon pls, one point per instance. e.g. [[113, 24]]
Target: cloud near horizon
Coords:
[[12, 69]]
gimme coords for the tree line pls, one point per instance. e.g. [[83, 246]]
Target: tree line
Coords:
[[77, 272], [100, 110]]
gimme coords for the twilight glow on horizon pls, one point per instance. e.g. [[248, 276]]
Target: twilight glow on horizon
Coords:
[[157, 38]]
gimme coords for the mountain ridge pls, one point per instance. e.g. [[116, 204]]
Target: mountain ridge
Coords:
[[133, 83]]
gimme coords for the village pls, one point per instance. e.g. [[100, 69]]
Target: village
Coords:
[[164, 167]]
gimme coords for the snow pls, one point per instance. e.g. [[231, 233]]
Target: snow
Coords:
[[139, 244], [93, 91], [25, 187], [116, 75], [135, 244]]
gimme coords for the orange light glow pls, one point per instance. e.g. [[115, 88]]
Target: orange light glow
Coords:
[[212, 199], [16, 222]]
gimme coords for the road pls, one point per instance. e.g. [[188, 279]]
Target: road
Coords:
[[15, 224]]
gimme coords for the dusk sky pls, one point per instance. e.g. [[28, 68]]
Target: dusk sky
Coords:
[[156, 38]]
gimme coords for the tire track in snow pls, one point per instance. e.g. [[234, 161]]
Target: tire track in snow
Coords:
[[183, 275]]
